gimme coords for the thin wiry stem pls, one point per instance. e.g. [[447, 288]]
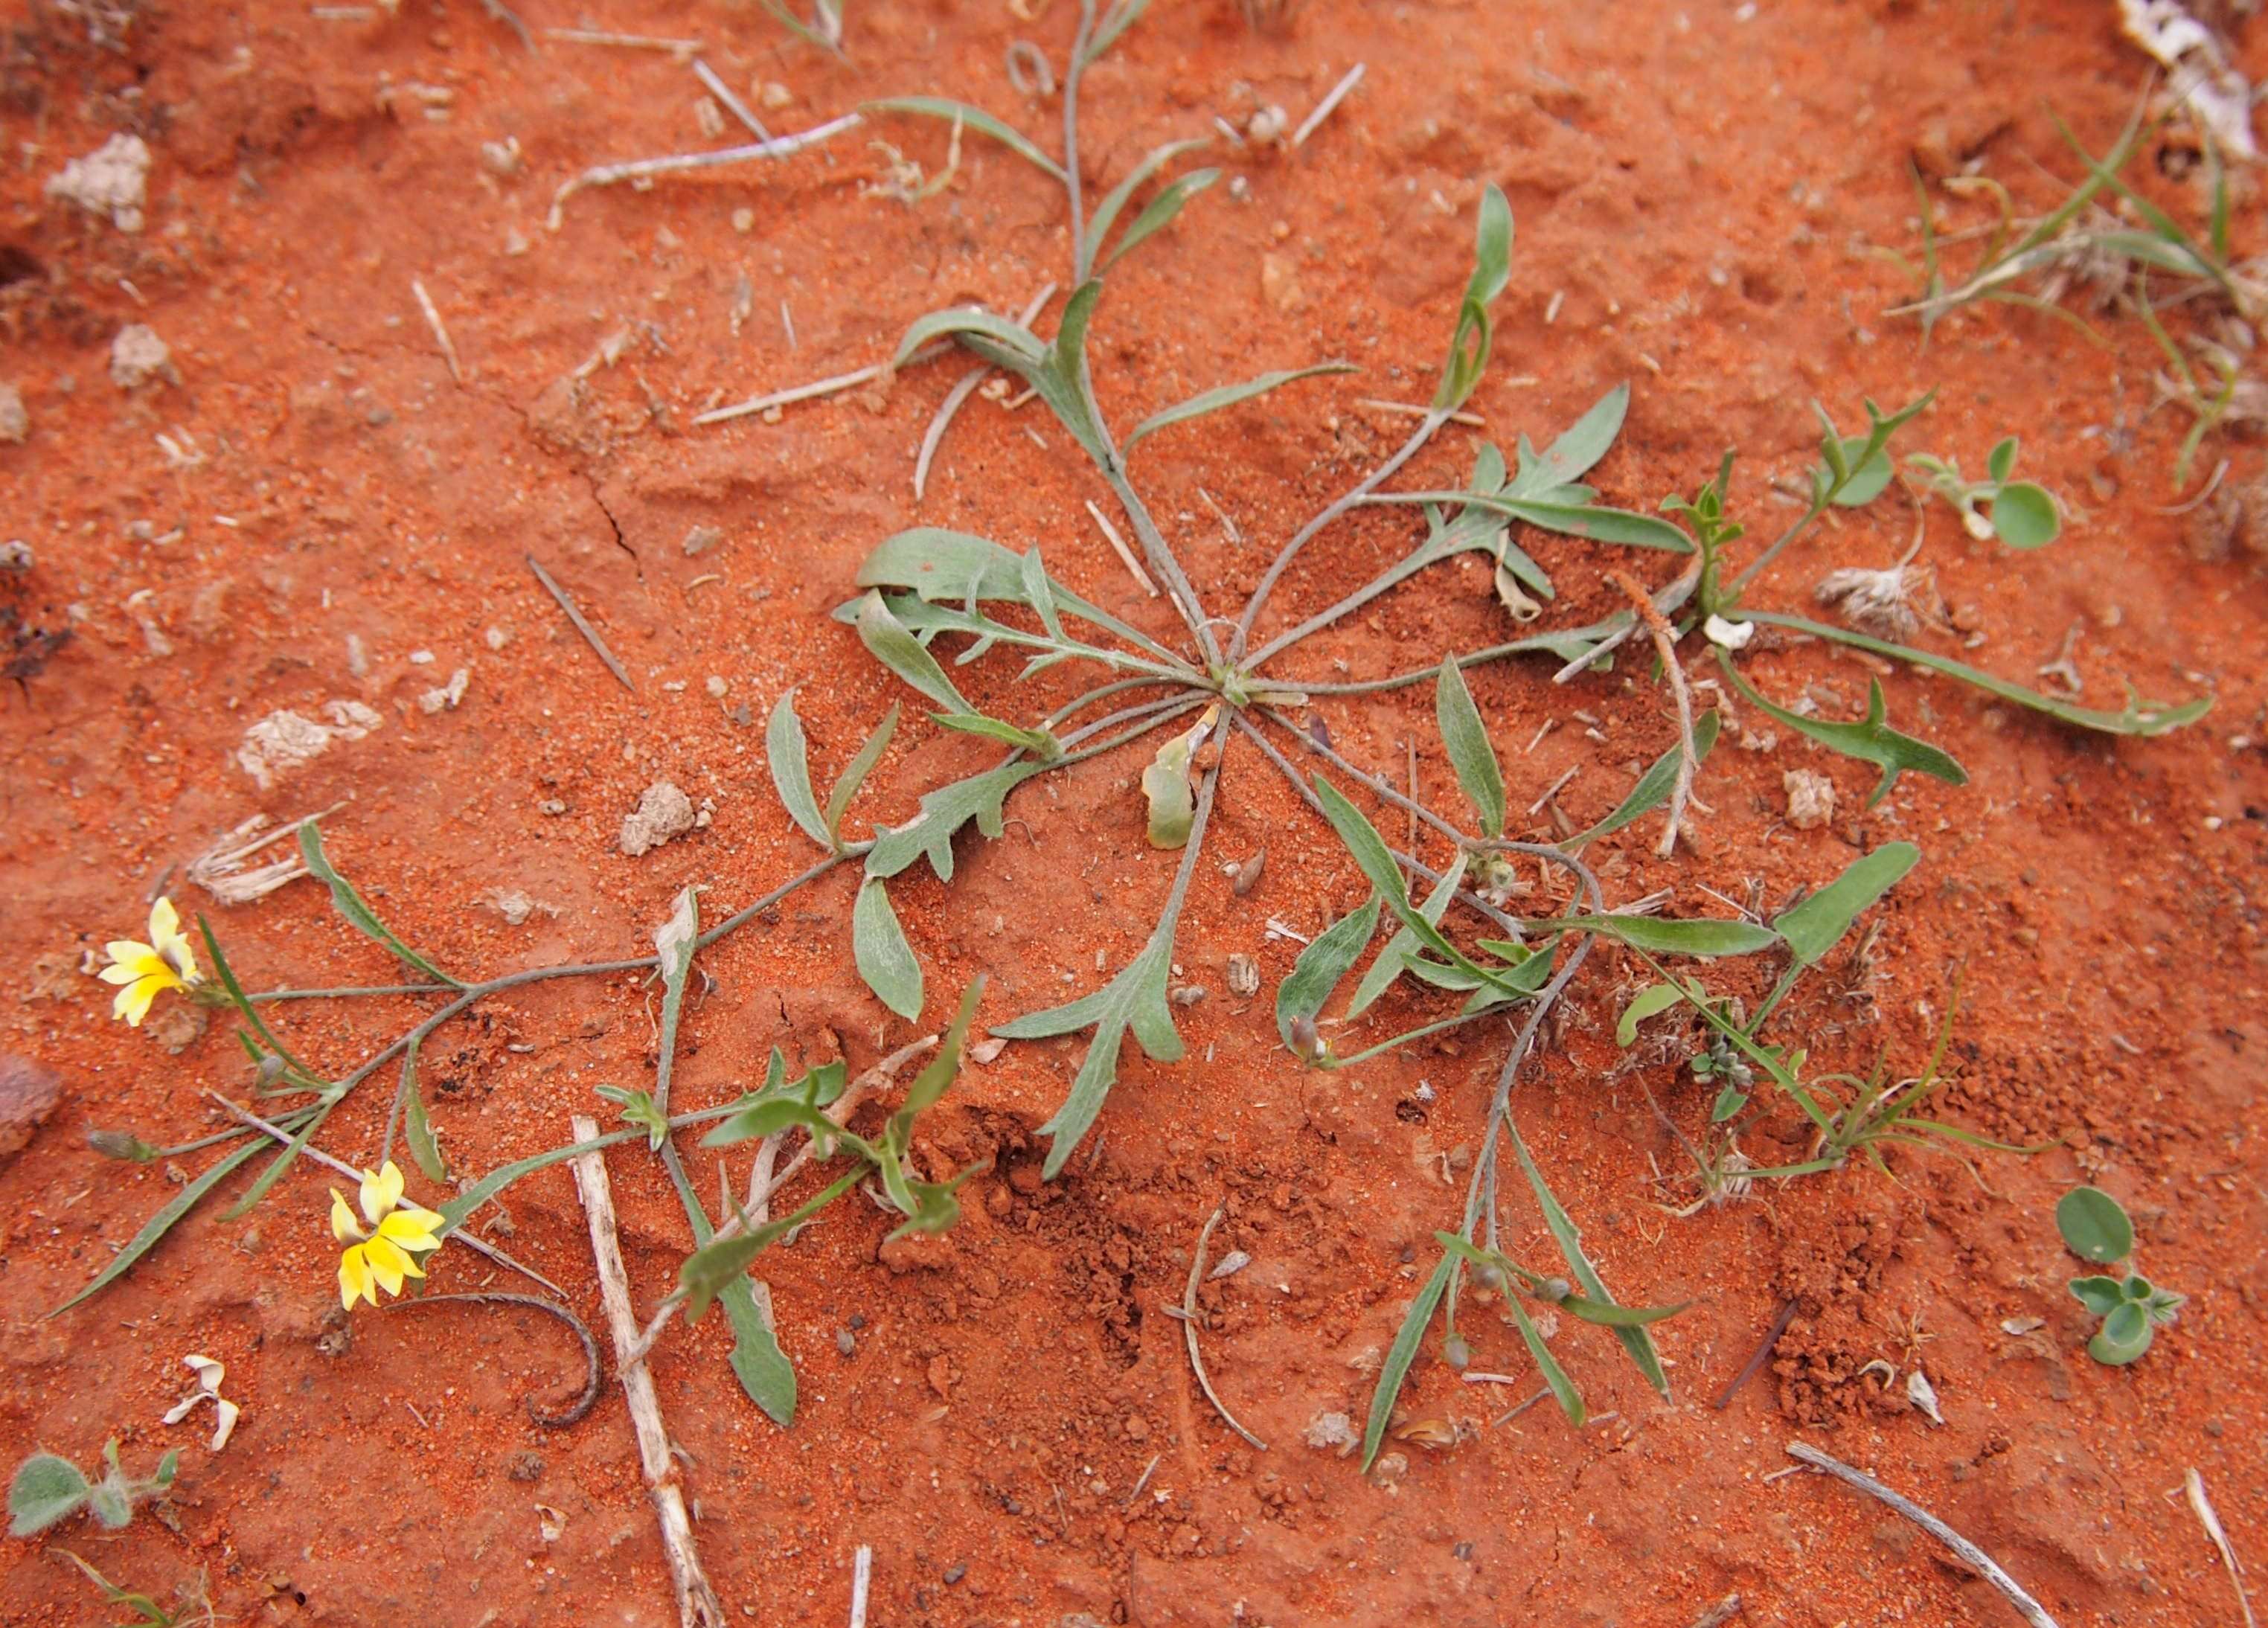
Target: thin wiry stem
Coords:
[[1665, 647], [1555, 643], [1383, 787], [1431, 422], [1072, 70]]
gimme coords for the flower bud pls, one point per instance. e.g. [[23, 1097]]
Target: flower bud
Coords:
[[1555, 1290], [1456, 1352], [121, 1144]]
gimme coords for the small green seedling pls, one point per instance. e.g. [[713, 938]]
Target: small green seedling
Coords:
[[2095, 1227], [49, 1488], [195, 1603], [2018, 512]]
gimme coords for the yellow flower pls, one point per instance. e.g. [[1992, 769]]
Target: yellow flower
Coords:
[[166, 963], [383, 1257]]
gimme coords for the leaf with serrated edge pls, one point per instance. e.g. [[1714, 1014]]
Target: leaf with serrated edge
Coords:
[[1872, 740], [930, 833]]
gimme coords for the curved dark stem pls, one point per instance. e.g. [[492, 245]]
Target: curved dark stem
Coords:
[[575, 1411], [1384, 788], [1763, 1350]]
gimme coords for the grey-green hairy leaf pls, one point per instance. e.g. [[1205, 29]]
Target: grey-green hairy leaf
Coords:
[[1872, 740], [1115, 201], [1466, 739], [788, 754], [1650, 1001], [1038, 741], [1653, 786], [1322, 965], [901, 652], [2094, 1226], [1817, 924], [1162, 211], [885, 959], [159, 1224], [930, 833], [349, 904], [1400, 954], [1665, 936], [45, 1489], [1229, 395], [854, 776], [1470, 341], [1632, 1334], [1401, 1354]]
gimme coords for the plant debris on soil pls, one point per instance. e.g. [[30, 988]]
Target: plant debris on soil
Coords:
[[298, 383]]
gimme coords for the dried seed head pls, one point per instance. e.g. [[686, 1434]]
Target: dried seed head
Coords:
[[1555, 1289], [1489, 1276], [1306, 1043], [1880, 602], [1456, 1352], [121, 1144]]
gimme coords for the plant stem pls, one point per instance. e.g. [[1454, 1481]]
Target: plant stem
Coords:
[[1665, 647], [1072, 70], [1436, 1027], [1548, 644], [1732, 594], [1424, 432], [348, 991]]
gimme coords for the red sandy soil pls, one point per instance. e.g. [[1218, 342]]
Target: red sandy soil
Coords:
[[1701, 190]]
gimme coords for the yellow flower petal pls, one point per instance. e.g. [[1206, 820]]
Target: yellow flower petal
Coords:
[[170, 942], [381, 1191], [164, 921], [342, 1221], [387, 1264], [354, 1279], [133, 1002], [412, 1229], [135, 961]]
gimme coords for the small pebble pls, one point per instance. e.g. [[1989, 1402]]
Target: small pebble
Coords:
[[846, 1342], [954, 1574]]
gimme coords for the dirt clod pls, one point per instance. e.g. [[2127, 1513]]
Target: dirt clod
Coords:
[[1810, 798], [27, 1096], [108, 182], [137, 356], [662, 813]]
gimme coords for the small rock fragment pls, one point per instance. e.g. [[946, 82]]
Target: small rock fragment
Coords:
[[663, 813], [1280, 284], [15, 556], [27, 1096], [110, 181], [445, 697], [701, 538], [1922, 1396], [1810, 798], [515, 906], [1328, 1431], [525, 1467], [285, 739], [137, 356], [15, 423]]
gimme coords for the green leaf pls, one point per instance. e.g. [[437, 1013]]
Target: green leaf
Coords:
[[766, 1375], [111, 1505], [789, 755], [953, 568], [2140, 718], [2100, 1295], [1562, 1388], [417, 1126], [1162, 211], [2126, 1334], [1654, 785], [973, 118], [495, 1180], [930, 833], [1578, 447], [1650, 1001], [1870, 473], [884, 959], [1466, 739], [773, 1115], [1400, 954], [1035, 740], [349, 904], [45, 1489], [1870, 741], [1040, 592], [1229, 395], [1113, 23], [2094, 1226], [1470, 341], [1166, 787], [854, 776], [1115, 201], [2024, 516], [2001, 461], [1665, 936], [930, 1084], [1817, 924], [1362, 841], [1600, 1307], [637, 1108], [1135, 999], [1598, 523], [1729, 1102], [713, 1268], [159, 1224], [1322, 965], [898, 650], [1401, 1354]]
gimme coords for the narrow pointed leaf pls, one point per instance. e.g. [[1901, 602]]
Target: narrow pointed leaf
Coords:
[[1650, 1001], [1401, 955], [1037, 741], [159, 1224], [901, 652], [1322, 965], [854, 776], [1115, 201], [885, 959], [1601, 523], [1817, 924], [1471, 754], [349, 904], [417, 1126], [1401, 1354], [788, 754], [1665, 936], [1162, 211], [1580, 447], [1470, 341], [1632, 1333], [1653, 786], [1229, 395]]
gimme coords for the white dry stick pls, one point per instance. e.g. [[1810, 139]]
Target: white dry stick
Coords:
[[697, 1605], [1124, 553], [2210, 1519], [1409, 409], [440, 334], [862, 1579], [1324, 107], [1985, 1566], [627, 43], [1665, 646], [963, 388], [1190, 1332], [733, 105], [640, 169]]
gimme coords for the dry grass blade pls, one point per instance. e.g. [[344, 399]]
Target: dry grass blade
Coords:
[[582, 625], [1985, 1566], [862, 1582], [2209, 1518], [1717, 1614], [1189, 1331], [440, 333], [640, 169], [732, 103], [963, 388], [1126, 555], [1665, 646], [1323, 108]]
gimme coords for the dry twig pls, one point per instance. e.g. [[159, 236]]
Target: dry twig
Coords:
[[1984, 1565], [1771, 1335], [440, 333], [646, 169], [1125, 554], [1665, 646], [697, 1604], [2210, 1519], [582, 625], [1323, 108], [1189, 1331]]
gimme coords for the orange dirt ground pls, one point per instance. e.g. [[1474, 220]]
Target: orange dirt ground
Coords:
[[1701, 193]]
